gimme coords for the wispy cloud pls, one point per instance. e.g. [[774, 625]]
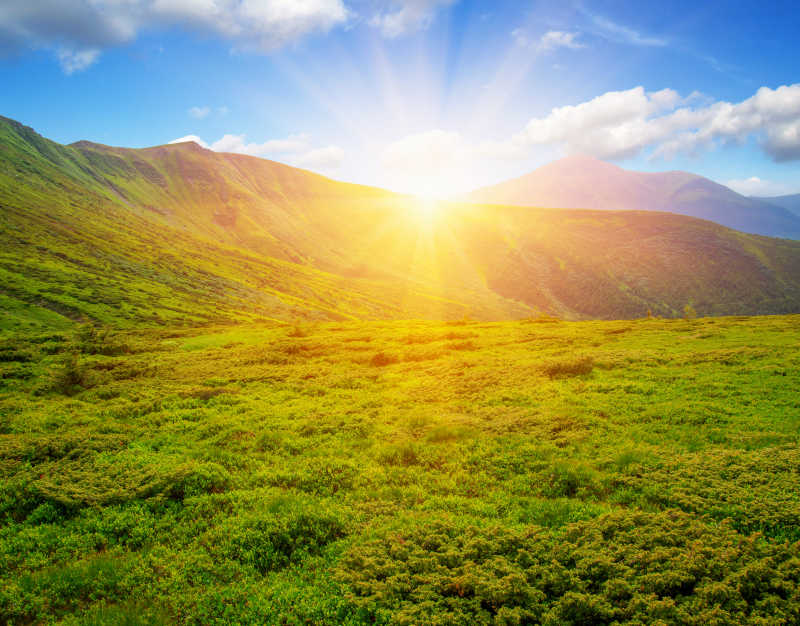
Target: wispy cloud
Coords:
[[72, 61], [755, 186], [295, 149], [549, 41], [402, 17], [325, 159], [560, 39], [199, 113], [620, 33], [202, 112]]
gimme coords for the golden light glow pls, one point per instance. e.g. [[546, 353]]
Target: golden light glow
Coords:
[[426, 207]]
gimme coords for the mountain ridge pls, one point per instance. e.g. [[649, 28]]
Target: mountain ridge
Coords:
[[177, 234], [582, 182], [790, 202]]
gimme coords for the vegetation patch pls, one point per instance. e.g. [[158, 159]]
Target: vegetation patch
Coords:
[[231, 482], [618, 568], [568, 368]]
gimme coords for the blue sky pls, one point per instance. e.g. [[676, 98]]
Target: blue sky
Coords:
[[420, 95]]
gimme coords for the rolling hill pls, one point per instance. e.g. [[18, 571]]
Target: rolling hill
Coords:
[[581, 182], [790, 202], [180, 235]]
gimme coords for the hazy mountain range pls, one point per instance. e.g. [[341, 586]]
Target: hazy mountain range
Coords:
[[179, 234], [581, 182], [791, 202]]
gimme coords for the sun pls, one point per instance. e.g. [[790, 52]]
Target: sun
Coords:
[[426, 207]]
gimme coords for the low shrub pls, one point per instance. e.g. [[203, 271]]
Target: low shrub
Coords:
[[93, 340], [70, 376], [284, 532], [620, 567], [382, 359], [400, 454], [568, 368]]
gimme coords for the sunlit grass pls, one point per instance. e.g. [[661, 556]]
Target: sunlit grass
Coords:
[[291, 473]]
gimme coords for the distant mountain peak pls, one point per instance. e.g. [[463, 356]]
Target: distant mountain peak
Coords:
[[581, 181]]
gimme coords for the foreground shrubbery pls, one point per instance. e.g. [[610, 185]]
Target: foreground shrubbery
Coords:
[[624, 567], [547, 472]]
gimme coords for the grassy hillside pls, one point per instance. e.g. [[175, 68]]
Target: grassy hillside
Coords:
[[580, 182], [403, 472], [179, 235], [142, 238]]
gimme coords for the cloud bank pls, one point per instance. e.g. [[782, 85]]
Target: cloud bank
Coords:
[[622, 124], [79, 29], [294, 149], [614, 126]]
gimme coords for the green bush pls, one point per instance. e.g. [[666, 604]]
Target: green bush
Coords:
[[284, 532], [70, 376], [93, 340], [568, 368], [621, 567]]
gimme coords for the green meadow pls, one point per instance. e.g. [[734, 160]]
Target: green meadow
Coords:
[[536, 471]]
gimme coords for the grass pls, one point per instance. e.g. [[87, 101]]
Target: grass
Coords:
[[403, 472]]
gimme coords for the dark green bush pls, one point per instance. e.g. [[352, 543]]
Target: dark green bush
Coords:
[[621, 567], [566, 369], [284, 532], [71, 376], [93, 340]]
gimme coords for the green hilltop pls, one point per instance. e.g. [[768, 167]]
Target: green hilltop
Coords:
[[181, 235]]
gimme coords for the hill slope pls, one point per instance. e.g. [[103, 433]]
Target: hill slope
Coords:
[[581, 182], [182, 235], [790, 203]]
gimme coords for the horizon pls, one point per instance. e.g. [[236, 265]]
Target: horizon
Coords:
[[497, 89]]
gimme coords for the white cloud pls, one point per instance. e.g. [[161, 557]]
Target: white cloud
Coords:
[[551, 40], [407, 16], [296, 149], [77, 60], [614, 125], [559, 39], [621, 124], [328, 158], [620, 33], [754, 186], [193, 138], [238, 144], [199, 113], [80, 29]]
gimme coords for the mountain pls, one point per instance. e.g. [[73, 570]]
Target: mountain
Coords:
[[581, 182], [180, 235], [791, 202]]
